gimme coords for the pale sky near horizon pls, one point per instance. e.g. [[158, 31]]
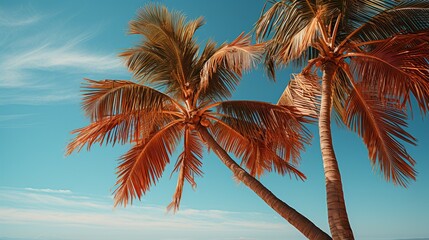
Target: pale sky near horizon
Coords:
[[47, 47]]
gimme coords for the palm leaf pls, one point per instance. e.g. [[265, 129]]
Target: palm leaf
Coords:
[[303, 92], [341, 87], [112, 97], [259, 154], [120, 128], [237, 56], [384, 19], [167, 53], [399, 65], [381, 124], [295, 28], [260, 158], [144, 163], [280, 126], [188, 165]]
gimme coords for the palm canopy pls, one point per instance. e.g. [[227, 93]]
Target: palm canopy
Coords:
[[179, 91], [378, 51]]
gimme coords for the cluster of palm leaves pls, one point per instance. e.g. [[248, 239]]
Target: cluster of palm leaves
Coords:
[[363, 60]]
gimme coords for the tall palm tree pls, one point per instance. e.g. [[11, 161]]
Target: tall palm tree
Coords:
[[180, 95], [373, 57]]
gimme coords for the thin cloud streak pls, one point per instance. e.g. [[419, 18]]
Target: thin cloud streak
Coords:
[[43, 98], [17, 67], [18, 18], [10, 117], [47, 67], [48, 190], [63, 209]]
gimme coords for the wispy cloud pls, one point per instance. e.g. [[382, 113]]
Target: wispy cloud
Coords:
[[15, 120], [18, 67], [44, 96], [94, 216], [47, 66], [18, 17], [9, 117], [48, 190]]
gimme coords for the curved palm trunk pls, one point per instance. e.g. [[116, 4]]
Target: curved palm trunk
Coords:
[[337, 214], [299, 221]]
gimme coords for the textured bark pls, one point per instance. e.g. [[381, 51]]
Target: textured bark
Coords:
[[299, 221], [337, 214]]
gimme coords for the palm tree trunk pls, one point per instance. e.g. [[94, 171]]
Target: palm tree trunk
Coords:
[[299, 221], [337, 214]]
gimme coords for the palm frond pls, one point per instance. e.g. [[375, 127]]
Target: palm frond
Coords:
[[384, 19], [341, 88], [259, 154], [188, 165], [120, 128], [168, 51], [380, 123], [144, 163], [112, 97], [237, 56], [280, 126], [399, 66], [260, 158], [303, 92], [294, 27]]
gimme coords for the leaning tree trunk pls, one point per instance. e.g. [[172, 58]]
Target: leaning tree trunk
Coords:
[[337, 214], [299, 221]]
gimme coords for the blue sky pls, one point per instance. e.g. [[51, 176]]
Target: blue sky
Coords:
[[47, 47]]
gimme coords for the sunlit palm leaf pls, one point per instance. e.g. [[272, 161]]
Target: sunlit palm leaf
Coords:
[[167, 54], [237, 56], [384, 19], [281, 127], [303, 92], [144, 164], [399, 65], [250, 151], [264, 115], [112, 97], [285, 19], [294, 25], [381, 124], [260, 158], [188, 165], [341, 87], [120, 128]]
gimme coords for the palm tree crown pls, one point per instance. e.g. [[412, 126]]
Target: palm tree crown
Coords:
[[374, 58], [179, 92], [379, 50]]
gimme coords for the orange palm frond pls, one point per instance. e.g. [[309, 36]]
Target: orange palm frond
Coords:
[[237, 56], [398, 66], [167, 53], [111, 97], [301, 40], [303, 92], [285, 19], [381, 124], [295, 26], [144, 163], [341, 87], [120, 128], [385, 19], [222, 82], [264, 115], [188, 165], [259, 155], [260, 158]]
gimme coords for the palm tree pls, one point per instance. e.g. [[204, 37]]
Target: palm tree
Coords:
[[180, 95], [373, 57]]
